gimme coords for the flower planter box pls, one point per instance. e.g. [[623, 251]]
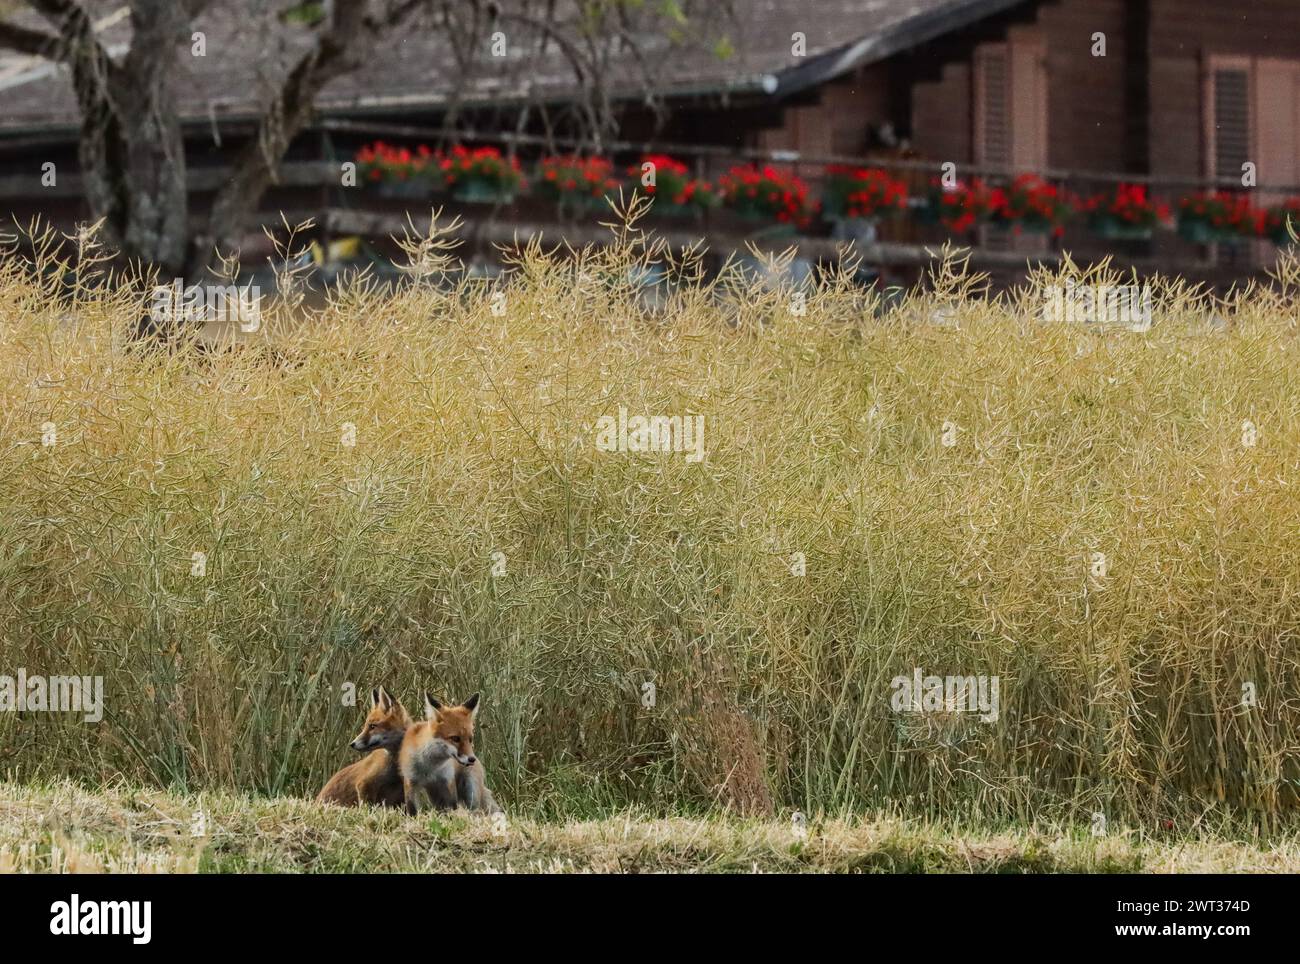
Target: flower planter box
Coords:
[[934, 215], [1221, 217], [751, 215], [870, 221], [1012, 228], [405, 189], [861, 194], [859, 230], [1276, 220], [932, 220], [958, 211], [1115, 231], [580, 205], [768, 195], [1125, 212], [667, 209], [576, 186], [772, 232], [759, 224], [1202, 232], [926, 213], [476, 192], [755, 226]]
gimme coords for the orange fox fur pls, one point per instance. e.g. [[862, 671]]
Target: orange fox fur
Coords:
[[375, 778], [437, 760]]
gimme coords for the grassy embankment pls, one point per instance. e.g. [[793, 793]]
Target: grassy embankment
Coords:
[[65, 829]]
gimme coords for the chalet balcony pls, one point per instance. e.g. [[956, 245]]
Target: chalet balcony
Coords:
[[893, 214]]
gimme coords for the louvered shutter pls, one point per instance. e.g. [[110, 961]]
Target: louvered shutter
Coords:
[[992, 106], [1231, 106], [1277, 96], [1230, 111], [1010, 94]]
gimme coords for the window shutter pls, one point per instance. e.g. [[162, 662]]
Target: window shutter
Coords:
[[1231, 142], [1028, 100], [992, 107], [1277, 104], [1231, 121], [1010, 94]]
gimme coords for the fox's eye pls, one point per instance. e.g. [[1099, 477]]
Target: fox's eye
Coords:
[[455, 739]]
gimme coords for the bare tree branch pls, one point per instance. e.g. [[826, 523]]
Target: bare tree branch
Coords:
[[58, 12], [350, 30], [76, 28], [35, 43], [102, 147]]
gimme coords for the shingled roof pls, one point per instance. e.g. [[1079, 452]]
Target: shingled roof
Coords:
[[415, 70]]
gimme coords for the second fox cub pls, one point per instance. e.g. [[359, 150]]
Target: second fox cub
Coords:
[[374, 779], [437, 760]]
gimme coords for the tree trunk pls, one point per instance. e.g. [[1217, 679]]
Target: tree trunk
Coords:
[[155, 228]]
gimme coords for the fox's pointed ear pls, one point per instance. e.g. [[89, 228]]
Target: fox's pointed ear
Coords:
[[431, 706], [375, 696], [385, 700], [471, 704], [400, 711]]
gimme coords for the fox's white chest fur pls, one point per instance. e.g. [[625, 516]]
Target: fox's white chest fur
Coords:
[[435, 773], [438, 764]]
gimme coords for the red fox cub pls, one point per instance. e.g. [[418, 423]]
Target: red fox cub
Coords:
[[375, 778], [437, 760]]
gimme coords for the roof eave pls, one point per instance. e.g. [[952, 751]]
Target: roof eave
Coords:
[[877, 47], [754, 84]]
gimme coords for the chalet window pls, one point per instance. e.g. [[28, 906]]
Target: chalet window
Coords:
[[1252, 115]]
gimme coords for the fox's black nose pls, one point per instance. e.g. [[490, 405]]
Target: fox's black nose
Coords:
[[470, 761]]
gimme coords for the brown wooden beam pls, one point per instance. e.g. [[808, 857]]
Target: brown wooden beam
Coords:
[[292, 174]]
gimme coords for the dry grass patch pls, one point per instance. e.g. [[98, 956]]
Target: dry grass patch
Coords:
[[66, 829]]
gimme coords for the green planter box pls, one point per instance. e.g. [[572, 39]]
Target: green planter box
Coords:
[[859, 230], [755, 215], [667, 209], [928, 213], [925, 213], [1202, 232], [773, 232], [579, 205], [1115, 231], [477, 192], [405, 189], [835, 217]]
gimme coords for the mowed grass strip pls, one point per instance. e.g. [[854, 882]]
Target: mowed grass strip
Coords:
[[66, 829]]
